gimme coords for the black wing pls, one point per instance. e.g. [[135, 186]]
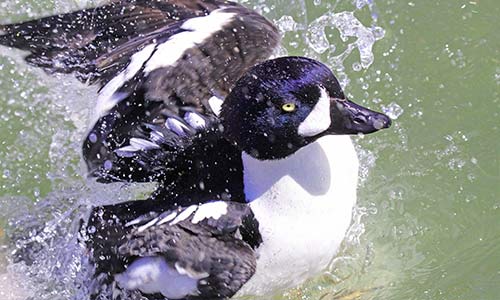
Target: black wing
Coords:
[[94, 43], [97, 43], [184, 161], [131, 49], [213, 247]]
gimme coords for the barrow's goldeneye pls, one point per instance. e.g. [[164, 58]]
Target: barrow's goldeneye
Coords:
[[167, 69], [286, 120]]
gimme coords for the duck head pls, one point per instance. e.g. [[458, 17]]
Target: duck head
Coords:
[[283, 104]]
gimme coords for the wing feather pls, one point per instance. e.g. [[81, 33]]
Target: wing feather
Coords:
[[79, 41], [208, 248]]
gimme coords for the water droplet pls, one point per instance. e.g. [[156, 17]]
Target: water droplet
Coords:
[[393, 110], [108, 165], [316, 36], [356, 66], [378, 32], [286, 24], [456, 164], [92, 137]]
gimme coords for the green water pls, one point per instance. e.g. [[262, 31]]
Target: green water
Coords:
[[429, 198]]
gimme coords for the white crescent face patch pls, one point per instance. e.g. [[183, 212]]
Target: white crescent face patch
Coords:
[[319, 118]]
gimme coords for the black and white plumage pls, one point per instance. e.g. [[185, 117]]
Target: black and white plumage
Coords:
[[278, 148], [197, 252], [286, 121], [162, 63]]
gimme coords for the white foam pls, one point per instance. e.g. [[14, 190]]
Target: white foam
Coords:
[[319, 118]]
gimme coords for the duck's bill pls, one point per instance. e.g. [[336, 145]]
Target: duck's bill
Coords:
[[351, 118]]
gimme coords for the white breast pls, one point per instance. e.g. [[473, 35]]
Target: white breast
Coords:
[[303, 204]]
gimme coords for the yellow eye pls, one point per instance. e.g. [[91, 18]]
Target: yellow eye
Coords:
[[288, 107]]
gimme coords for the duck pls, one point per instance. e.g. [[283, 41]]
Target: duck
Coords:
[[252, 155], [289, 120]]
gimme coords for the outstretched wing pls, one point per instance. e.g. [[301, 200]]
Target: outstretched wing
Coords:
[[197, 252], [156, 62], [93, 41], [97, 43]]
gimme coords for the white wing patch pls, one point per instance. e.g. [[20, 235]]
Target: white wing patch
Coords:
[[164, 219], [147, 225], [153, 275], [195, 120], [108, 96], [176, 126], [184, 214], [199, 29], [215, 105], [319, 118], [137, 144], [136, 221], [213, 210], [166, 54], [156, 136], [190, 272]]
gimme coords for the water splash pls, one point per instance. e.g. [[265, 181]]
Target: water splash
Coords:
[[46, 247], [288, 24], [348, 26], [393, 110]]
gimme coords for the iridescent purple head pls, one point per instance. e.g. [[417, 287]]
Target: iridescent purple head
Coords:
[[283, 104]]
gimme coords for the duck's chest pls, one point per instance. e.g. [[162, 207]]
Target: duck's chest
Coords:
[[303, 204]]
